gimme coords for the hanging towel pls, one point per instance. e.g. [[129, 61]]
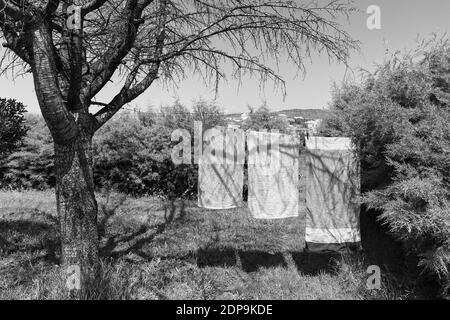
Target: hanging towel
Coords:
[[332, 190], [221, 169], [273, 175]]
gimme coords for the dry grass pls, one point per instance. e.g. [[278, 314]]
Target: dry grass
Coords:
[[201, 254]]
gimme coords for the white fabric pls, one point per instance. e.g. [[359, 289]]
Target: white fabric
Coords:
[[329, 143], [221, 170], [332, 190], [273, 175], [342, 235]]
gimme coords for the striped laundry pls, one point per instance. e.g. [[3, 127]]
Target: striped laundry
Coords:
[[221, 169], [273, 175], [332, 191]]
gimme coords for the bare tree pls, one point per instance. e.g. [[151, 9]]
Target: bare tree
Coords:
[[138, 42]]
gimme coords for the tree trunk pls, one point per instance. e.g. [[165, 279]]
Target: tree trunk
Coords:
[[77, 211]]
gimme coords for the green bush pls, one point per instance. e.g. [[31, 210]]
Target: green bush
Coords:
[[12, 125], [399, 119], [262, 119], [135, 159], [133, 152], [31, 165]]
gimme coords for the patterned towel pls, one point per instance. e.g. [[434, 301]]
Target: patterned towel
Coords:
[[221, 169], [273, 175], [332, 190]]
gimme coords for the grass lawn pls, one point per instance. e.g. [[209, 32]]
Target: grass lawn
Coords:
[[201, 254]]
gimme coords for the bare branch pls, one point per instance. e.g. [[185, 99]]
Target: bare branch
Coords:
[[16, 43], [104, 68], [91, 6], [139, 41], [51, 7], [128, 94], [15, 11]]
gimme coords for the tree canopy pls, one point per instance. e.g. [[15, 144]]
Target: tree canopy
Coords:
[[139, 41]]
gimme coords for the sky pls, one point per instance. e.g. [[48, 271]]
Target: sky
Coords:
[[402, 21]]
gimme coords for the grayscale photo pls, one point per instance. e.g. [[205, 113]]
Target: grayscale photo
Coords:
[[231, 157]]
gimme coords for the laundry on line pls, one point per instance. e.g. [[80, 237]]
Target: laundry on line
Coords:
[[221, 183], [332, 190], [332, 182], [273, 175]]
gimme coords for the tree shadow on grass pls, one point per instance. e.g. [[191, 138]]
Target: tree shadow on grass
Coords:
[[252, 260], [249, 261], [312, 264], [216, 257], [27, 236], [121, 245]]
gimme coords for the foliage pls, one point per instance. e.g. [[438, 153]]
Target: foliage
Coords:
[[399, 119], [135, 159], [262, 119], [133, 152], [12, 125], [208, 113], [164, 41], [31, 165]]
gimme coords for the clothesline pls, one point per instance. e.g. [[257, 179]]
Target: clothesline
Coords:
[[332, 186]]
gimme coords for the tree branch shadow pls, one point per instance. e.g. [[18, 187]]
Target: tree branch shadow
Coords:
[[120, 246], [27, 237]]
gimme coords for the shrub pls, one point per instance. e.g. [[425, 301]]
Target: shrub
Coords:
[[31, 165], [12, 125], [398, 118], [262, 119], [133, 153]]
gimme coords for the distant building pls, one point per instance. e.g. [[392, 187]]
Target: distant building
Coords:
[[233, 126], [297, 124], [313, 126], [244, 116], [299, 120]]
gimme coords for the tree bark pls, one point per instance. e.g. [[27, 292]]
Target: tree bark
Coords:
[[77, 211]]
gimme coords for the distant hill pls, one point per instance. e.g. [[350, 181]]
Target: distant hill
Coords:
[[291, 113]]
